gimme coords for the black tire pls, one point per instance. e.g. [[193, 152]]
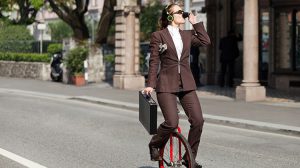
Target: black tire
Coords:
[[177, 159]]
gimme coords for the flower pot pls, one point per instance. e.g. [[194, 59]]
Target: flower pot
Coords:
[[78, 80]]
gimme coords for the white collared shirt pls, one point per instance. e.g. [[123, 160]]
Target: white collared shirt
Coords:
[[174, 31]]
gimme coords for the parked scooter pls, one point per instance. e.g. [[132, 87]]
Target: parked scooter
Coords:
[[56, 67]]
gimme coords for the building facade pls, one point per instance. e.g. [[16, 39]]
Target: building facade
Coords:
[[278, 43]]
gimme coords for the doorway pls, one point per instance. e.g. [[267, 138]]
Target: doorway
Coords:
[[287, 40]]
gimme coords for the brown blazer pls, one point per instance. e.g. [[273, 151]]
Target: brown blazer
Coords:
[[166, 80]]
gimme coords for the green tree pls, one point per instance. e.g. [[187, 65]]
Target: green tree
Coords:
[[106, 20], [26, 10], [72, 12], [60, 30], [3, 7], [149, 18]]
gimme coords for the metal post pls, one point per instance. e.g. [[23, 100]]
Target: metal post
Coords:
[[93, 35], [187, 9], [86, 75], [41, 27], [41, 42]]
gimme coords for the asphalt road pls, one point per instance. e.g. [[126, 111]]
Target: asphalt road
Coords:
[[60, 133]]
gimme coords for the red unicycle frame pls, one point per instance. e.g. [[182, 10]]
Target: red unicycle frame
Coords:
[[176, 151]]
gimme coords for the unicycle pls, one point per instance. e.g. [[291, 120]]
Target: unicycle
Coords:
[[176, 151]]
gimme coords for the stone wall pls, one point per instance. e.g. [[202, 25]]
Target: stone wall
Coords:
[[32, 70]]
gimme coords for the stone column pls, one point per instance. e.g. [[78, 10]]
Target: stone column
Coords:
[[127, 75], [250, 89], [283, 41]]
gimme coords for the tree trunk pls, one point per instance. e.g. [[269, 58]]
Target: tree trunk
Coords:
[[105, 22], [73, 17], [27, 13], [80, 34], [79, 28]]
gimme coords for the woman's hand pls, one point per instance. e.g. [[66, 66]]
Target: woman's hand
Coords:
[[192, 18], [148, 90]]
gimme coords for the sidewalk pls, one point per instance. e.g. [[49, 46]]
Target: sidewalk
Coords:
[[276, 114]]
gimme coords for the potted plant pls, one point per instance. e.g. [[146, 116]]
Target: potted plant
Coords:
[[75, 64]]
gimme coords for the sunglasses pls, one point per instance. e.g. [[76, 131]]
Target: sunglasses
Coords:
[[184, 14], [178, 12]]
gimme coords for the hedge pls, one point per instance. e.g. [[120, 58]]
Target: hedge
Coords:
[[15, 38], [54, 48], [24, 57]]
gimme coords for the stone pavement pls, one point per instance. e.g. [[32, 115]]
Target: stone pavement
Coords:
[[280, 113]]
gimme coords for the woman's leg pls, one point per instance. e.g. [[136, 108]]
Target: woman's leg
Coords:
[[168, 105], [191, 105]]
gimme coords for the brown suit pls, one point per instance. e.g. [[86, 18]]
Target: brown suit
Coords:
[[170, 64], [174, 80]]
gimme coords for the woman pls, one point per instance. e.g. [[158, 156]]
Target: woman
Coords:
[[170, 47]]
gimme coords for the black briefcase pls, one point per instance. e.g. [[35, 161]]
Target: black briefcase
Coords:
[[148, 113]]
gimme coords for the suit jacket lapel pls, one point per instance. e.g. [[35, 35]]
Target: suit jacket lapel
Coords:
[[170, 42]]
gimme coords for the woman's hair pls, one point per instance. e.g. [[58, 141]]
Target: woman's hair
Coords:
[[164, 22]]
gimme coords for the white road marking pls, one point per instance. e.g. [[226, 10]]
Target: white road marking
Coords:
[[20, 160]]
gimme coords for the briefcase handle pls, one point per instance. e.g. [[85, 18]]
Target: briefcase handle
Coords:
[[148, 97]]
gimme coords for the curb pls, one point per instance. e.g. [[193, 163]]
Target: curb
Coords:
[[234, 122], [253, 125]]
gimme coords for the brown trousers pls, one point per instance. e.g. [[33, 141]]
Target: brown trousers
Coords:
[[168, 105]]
